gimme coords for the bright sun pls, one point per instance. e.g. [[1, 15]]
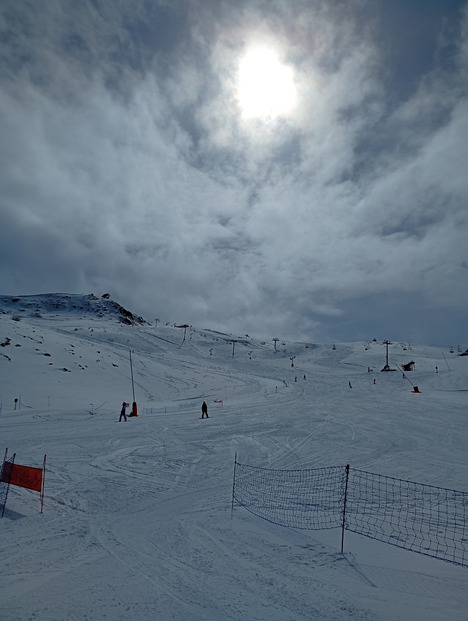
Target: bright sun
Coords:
[[266, 86]]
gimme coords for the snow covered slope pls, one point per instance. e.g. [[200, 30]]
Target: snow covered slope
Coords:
[[137, 518]]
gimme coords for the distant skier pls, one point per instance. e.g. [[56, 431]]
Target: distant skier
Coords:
[[123, 411], [204, 409]]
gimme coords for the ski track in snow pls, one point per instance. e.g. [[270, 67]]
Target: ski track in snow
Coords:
[[137, 522]]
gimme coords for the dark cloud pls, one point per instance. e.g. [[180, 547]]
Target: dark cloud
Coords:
[[127, 166]]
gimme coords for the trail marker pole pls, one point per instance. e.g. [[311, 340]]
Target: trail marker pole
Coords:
[[233, 483]]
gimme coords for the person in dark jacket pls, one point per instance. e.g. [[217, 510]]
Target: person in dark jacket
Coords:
[[204, 409], [123, 412]]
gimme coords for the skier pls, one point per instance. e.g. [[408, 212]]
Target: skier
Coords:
[[204, 409], [123, 411]]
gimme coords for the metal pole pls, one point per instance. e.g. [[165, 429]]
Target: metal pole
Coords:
[[233, 483], [131, 371], [344, 508], [12, 461], [43, 484]]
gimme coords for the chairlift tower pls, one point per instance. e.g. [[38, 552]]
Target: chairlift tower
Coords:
[[387, 366], [184, 326]]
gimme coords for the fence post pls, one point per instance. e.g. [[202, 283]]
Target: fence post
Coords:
[[344, 508], [43, 484], [233, 482], [12, 461]]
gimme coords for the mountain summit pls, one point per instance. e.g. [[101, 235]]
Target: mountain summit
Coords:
[[54, 304]]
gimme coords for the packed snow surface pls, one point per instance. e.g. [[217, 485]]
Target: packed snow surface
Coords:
[[137, 520]]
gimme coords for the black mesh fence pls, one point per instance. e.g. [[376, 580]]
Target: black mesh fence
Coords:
[[421, 518]]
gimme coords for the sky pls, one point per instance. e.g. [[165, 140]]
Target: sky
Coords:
[[291, 170]]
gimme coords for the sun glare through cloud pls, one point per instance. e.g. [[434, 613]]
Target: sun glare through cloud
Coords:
[[266, 87], [273, 167]]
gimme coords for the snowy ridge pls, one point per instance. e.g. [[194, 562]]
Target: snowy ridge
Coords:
[[137, 517], [55, 304]]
